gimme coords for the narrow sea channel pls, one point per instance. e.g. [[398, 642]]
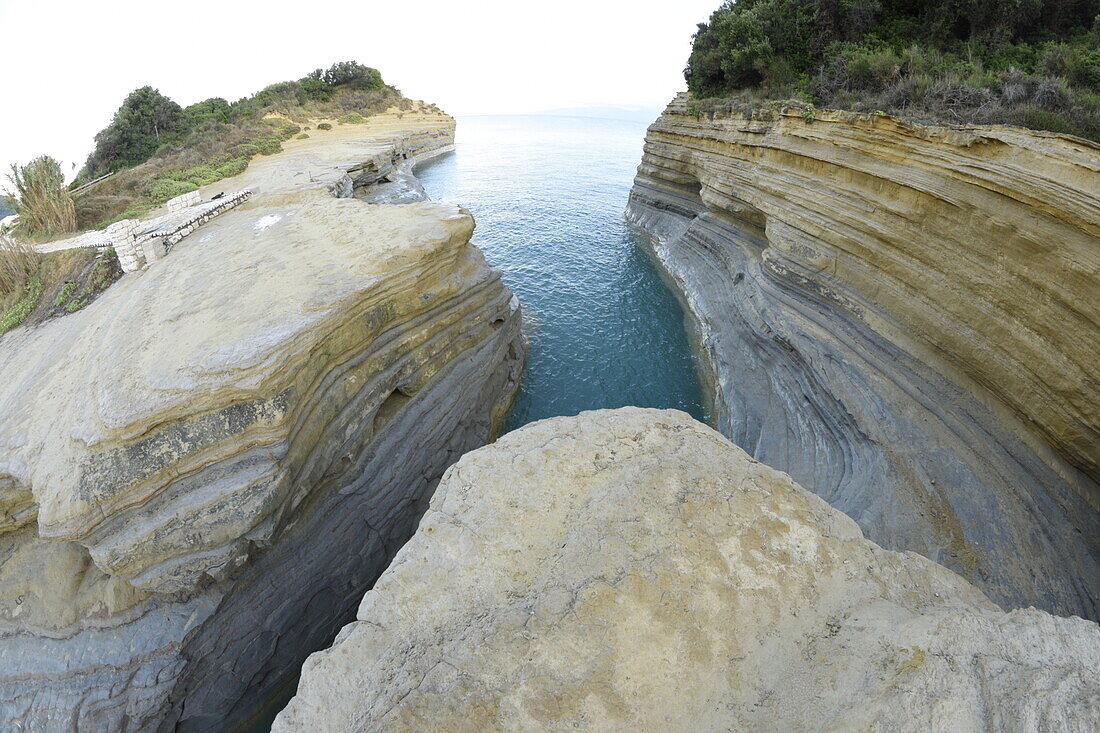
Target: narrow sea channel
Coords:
[[548, 194]]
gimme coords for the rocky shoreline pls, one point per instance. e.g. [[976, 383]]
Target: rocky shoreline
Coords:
[[902, 317], [203, 471]]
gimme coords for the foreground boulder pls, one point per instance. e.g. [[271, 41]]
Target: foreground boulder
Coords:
[[203, 471], [904, 318], [634, 570]]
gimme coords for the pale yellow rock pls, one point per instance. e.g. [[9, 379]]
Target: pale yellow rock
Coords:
[[905, 318], [634, 570], [203, 470]]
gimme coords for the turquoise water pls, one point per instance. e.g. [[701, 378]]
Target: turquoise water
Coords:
[[548, 194]]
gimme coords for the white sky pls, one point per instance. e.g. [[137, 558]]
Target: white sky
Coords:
[[66, 66]]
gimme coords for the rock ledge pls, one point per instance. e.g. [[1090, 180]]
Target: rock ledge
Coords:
[[634, 570]]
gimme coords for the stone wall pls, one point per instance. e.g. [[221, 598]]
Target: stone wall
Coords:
[[182, 202], [122, 236], [137, 245]]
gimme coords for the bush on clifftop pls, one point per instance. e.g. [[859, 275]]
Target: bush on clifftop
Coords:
[[149, 122], [160, 148], [1034, 63]]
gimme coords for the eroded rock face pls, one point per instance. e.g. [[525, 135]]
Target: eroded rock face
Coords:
[[634, 570], [905, 319], [202, 472]]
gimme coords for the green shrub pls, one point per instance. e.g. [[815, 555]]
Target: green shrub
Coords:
[[232, 167], [348, 73], [246, 150], [267, 145], [324, 126], [315, 90], [104, 272], [210, 110], [303, 136], [166, 188], [18, 312], [352, 118], [65, 293]]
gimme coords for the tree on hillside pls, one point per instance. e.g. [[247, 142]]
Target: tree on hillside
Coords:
[[749, 42], [349, 73], [44, 204], [145, 121]]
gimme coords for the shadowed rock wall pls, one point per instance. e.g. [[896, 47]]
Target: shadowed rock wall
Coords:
[[905, 319]]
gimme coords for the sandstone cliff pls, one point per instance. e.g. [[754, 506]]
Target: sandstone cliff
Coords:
[[203, 471], [905, 318], [634, 570]]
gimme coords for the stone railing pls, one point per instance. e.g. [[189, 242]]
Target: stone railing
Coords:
[[122, 235], [182, 202], [177, 231], [137, 249]]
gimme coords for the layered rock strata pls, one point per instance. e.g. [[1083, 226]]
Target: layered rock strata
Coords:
[[634, 570], [203, 471], [905, 319]]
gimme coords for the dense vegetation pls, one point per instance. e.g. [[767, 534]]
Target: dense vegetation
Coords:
[[162, 150], [1034, 63], [146, 120]]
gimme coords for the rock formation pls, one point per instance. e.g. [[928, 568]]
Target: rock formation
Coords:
[[203, 471], [905, 319], [634, 570]]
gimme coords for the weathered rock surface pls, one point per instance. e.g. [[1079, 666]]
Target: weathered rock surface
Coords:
[[905, 318], [634, 570], [203, 471]]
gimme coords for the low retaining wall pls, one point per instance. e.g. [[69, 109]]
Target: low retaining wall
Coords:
[[136, 250], [179, 203]]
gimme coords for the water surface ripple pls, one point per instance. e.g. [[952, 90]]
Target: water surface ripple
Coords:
[[548, 194]]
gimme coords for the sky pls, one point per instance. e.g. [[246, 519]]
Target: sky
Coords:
[[65, 67]]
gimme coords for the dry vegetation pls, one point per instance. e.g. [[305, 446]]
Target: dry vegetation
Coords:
[[18, 261], [36, 287], [45, 206]]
